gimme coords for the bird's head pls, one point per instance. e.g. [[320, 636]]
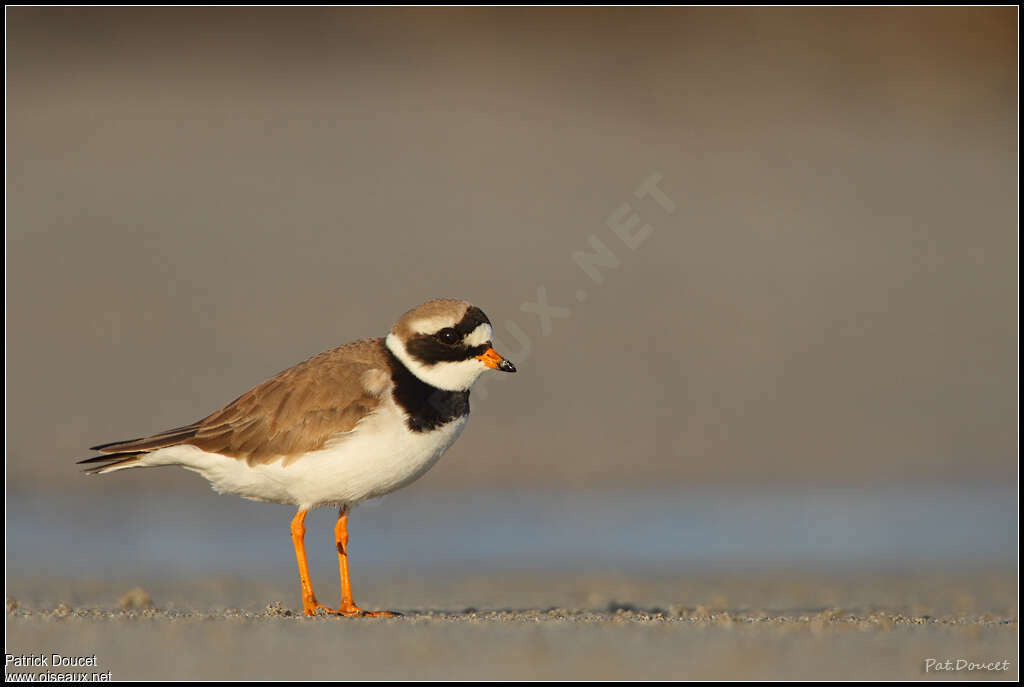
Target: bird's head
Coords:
[[446, 343]]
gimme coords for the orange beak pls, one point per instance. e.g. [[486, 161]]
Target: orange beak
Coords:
[[491, 359]]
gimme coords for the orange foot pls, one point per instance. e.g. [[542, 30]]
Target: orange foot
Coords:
[[350, 611]]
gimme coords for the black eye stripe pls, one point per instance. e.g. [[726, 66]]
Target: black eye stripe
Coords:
[[478, 350], [428, 350], [431, 349]]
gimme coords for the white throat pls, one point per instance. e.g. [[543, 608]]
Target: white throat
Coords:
[[450, 376]]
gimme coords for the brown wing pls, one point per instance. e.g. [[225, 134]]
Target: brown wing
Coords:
[[294, 412]]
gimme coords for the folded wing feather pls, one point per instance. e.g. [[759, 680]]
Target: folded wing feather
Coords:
[[294, 412]]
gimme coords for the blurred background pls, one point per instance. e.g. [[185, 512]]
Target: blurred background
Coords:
[[812, 359]]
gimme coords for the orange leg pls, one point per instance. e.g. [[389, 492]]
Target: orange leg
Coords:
[[298, 529], [310, 605], [348, 607]]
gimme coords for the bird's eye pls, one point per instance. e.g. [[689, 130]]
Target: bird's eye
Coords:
[[448, 335]]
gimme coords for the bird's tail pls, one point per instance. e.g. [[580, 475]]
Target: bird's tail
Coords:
[[113, 461], [119, 455]]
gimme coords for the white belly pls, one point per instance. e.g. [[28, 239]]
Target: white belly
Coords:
[[380, 455]]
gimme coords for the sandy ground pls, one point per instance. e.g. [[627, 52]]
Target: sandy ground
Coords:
[[533, 625]]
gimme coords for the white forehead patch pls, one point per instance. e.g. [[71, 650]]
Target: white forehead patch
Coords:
[[431, 325], [481, 335]]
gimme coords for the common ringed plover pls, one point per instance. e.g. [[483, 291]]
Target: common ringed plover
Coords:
[[349, 424]]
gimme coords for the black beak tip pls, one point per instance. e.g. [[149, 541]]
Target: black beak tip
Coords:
[[506, 366]]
